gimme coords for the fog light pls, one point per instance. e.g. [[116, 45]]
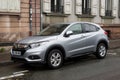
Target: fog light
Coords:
[[33, 57]]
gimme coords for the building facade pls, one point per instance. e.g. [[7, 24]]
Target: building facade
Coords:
[[104, 12], [21, 18], [15, 19]]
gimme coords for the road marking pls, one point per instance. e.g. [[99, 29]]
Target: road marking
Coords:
[[15, 75], [6, 77], [11, 76], [114, 54], [25, 71]]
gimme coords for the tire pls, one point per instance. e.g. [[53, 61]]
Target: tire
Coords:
[[101, 51], [55, 59]]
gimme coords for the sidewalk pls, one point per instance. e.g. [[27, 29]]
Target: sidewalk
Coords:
[[5, 57], [114, 44]]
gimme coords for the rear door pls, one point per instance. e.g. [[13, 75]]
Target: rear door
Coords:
[[91, 34]]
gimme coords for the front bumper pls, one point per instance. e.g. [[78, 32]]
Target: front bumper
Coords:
[[28, 57], [22, 60]]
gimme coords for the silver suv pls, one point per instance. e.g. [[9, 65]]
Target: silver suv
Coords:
[[58, 42]]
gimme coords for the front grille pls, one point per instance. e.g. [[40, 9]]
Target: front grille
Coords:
[[21, 48]]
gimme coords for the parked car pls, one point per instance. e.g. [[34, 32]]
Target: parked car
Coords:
[[58, 42]]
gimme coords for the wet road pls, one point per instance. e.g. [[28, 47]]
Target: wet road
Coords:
[[82, 68]]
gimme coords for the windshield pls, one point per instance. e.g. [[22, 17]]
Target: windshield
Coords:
[[53, 30]]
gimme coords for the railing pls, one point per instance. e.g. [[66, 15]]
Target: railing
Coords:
[[108, 13], [86, 11], [57, 9]]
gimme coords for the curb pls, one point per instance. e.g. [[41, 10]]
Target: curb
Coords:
[[4, 63]]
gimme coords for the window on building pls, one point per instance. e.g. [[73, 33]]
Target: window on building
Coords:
[[10, 6], [86, 7], [108, 7], [57, 6]]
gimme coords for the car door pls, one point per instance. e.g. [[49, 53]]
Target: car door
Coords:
[[75, 43], [91, 33]]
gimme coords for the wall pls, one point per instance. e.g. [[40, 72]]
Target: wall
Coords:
[[115, 30], [15, 26], [35, 16]]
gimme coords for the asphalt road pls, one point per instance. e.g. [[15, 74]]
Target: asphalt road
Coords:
[[81, 68]]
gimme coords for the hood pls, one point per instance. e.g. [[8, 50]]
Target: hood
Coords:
[[34, 39]]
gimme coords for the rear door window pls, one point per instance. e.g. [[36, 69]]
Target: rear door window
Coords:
[[89, 28]]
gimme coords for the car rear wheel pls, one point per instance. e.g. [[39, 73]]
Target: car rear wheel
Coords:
[[101, 51], [55, 59]]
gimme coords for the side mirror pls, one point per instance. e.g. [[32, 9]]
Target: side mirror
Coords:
[[68, 33]]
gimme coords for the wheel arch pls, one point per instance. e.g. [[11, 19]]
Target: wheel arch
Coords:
[[103, 41], [59, 47]]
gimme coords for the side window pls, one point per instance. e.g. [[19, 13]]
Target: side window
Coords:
[[76, 29], [89, 28]]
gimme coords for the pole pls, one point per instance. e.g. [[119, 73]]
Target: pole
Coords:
[[35, 18], [30, 17], [41, 16]]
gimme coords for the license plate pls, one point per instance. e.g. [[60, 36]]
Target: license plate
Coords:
[[18, 53]]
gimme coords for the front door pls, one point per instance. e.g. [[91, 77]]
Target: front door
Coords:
[[75, 43]]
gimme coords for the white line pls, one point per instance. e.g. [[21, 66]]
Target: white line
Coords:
[[11, 76], [25, 71], [15, 74], [6, 77], [112, 54]]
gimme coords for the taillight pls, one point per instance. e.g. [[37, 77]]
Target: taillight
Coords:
[[106, 33]]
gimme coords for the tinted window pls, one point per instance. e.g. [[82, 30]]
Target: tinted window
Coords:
[[53, 30], [76, 29], [89, 28]]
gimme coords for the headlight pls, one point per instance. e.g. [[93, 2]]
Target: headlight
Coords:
[[17, 45], [33, 45]]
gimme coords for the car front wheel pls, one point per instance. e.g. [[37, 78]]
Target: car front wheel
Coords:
[[55, 59], [101, 51]]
